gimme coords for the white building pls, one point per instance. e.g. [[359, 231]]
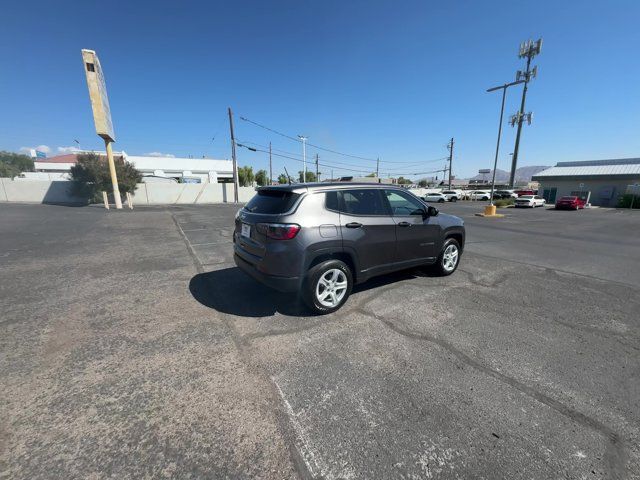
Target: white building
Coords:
[[187, 170]]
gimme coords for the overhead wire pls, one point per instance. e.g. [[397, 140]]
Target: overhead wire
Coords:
[[335, 167]]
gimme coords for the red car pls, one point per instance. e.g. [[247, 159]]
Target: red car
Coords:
[[570, 203], [525, 192]]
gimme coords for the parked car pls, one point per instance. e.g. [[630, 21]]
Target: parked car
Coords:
[[570, 203], [434, 197], [530, 201], [505, 194], [521, 193], [453, 195], [321, 239], [479, 195]]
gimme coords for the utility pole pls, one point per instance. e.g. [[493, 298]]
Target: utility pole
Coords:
[[304, 157], [450, 160], [233, 157], [529, 50], [270, 166], [317, 172], [378, 167]]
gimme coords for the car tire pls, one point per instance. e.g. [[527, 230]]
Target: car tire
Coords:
[[319, 279], [442, 267], [441, 200], [453, 199], [485, 198]]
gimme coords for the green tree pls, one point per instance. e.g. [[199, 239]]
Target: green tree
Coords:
[[12, 164], [311, 176], [371, 175], [245, 176], [261, 178], [91, 176], [282, 179], [422, 183], [404, 181]]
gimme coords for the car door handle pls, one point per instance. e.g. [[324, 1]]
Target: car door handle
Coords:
[[353, 225], [404, 224]]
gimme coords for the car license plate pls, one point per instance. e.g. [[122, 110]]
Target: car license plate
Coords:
[[246, 230]]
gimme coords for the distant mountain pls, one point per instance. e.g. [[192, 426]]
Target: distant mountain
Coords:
[[523, 174]]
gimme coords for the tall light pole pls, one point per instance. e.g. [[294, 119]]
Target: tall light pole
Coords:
[[528, 50], [495, 161], [450, 147], [304, 157]]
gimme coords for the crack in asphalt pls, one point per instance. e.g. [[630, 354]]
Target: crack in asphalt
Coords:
[[544, 267], [615, 455]]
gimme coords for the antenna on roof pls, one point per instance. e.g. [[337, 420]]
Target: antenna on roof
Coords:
[[288, 176]]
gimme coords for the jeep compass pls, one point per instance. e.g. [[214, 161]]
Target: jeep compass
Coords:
[[321, 239]]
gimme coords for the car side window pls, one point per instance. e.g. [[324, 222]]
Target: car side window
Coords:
[[332, 201], [361, 201], [403, 204]]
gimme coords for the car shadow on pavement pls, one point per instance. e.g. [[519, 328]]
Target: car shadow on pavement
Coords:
[[231, 291]]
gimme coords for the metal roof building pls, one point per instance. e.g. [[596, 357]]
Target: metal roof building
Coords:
[[600, 182]]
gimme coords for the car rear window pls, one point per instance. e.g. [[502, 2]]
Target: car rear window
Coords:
[[272, 202]]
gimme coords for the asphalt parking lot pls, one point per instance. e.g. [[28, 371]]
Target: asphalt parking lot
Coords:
[[132, 347]]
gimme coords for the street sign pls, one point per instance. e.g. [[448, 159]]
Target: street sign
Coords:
[[98, 95], [484, 170], [33, 153]]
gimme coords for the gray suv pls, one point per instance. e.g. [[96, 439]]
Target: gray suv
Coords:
[[320, 239]]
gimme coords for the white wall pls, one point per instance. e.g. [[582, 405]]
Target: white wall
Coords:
[[37, 191], [42, 191]]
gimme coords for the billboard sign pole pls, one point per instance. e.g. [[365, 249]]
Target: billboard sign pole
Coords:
[[101, 112]]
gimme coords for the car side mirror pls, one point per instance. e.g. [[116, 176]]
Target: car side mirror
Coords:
[[431, 211]]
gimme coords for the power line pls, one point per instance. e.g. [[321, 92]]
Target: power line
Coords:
[[359, 170], [408, 165], [309, 144]]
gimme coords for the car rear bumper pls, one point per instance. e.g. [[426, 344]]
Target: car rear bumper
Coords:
[[282, 284]]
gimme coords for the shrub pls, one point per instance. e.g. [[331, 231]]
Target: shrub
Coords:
[[13, 164], [91, 176], [245, 176], [504, 202], [624, 201], [261, 178]]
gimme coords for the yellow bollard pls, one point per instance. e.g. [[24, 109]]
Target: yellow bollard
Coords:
[[490, 210]]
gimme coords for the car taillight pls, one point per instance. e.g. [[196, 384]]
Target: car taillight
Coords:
[[279, 231]]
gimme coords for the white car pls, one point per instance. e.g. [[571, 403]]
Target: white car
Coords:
[[532, 201], [453, 195], [479, 195], [434, 197]]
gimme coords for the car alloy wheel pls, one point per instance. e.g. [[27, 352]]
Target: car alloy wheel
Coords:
[[450, 258], [331, 288]]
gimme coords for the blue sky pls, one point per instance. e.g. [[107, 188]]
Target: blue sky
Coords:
[[388, 79]]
